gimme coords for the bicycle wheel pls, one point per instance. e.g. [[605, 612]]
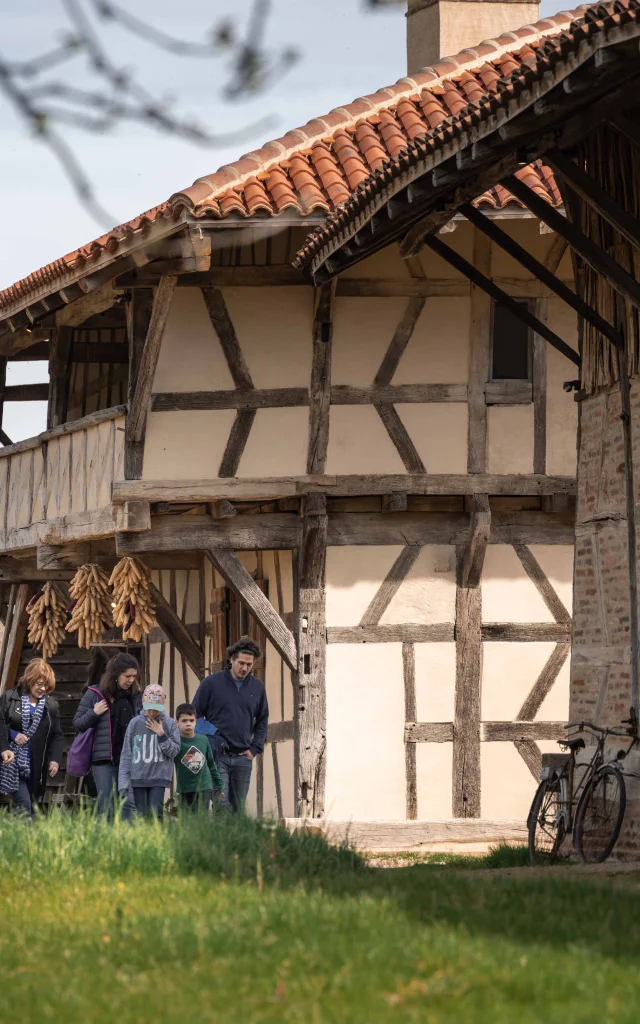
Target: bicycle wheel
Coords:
[[546, 825], [599, 815]]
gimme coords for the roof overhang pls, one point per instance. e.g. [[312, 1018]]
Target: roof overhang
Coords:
[[583, 80]]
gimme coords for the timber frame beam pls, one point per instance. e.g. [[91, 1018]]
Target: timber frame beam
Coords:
[[175, 629], [148, 361]]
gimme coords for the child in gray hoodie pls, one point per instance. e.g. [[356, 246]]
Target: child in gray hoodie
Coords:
[[151, 743]]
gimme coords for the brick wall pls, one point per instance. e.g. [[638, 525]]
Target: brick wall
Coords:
[[600, 662]]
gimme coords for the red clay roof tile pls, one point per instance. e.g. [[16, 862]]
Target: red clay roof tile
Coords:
[[319, 165]]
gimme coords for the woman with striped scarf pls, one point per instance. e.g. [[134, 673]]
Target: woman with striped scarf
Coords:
[[32, 718]]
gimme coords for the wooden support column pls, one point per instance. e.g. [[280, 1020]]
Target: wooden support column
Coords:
[[320, 389], [148, 361], [476, 546], [310, 715], [175, 629], [138, 320], [539, 375], [410, 715], [59, 373], [14, 634], [480, 353], [466, 721], [4, 437]]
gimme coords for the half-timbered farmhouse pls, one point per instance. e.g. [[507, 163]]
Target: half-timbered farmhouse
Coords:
[[373, 472]]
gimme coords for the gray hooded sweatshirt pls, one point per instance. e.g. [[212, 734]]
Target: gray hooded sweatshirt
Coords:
[[147, 759]]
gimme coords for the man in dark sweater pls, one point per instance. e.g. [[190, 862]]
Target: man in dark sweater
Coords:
[[234, 702]]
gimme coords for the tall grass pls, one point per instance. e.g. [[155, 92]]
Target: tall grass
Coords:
[[224, 845]]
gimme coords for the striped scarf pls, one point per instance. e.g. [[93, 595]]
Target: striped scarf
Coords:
[[20, 767]]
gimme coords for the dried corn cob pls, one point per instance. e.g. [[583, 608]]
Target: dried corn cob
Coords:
[[47, 619], [90, 608], [134, 609]]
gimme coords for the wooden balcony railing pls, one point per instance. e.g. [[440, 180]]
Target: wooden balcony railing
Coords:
[[65, 471]]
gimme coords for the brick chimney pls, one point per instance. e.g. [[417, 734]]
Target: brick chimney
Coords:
[[441, 28]]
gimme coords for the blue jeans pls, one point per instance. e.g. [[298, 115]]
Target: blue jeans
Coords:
[[235, 770], [149, 800], [105, 777], [197, 801], [22, 800]]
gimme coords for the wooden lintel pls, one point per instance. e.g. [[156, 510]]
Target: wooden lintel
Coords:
[[244, 586], [428, 732], [518, 309], [277, 398], [271, 488], [513, 731], [26, 393], [474, 550], [279, 732], [175, 629], [12, 343], [69, 556]]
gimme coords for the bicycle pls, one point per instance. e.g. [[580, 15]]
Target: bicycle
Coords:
[[600, 798]]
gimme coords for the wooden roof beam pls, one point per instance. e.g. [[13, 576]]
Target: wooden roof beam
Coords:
[[510, 246], [491, 289], [591, 253]]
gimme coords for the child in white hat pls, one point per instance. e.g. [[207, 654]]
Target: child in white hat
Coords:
[[151, 743]]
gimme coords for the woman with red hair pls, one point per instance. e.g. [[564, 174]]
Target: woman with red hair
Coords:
[[32, 718]]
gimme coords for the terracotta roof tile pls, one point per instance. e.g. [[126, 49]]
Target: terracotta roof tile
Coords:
[[449, 107], [318, 166]]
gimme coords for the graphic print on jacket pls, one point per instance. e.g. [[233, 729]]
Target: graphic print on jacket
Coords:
[[147, 759]]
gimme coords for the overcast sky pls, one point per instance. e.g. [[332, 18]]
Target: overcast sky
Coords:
[[343, 53]]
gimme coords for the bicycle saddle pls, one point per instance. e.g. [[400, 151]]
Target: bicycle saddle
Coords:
[[576, 744]]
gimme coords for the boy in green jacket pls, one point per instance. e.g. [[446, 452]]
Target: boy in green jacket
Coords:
[[197, 773]]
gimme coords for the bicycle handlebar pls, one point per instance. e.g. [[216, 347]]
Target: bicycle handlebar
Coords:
[[598, 728]]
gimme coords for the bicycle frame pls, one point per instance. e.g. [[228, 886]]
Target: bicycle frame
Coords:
[[568, 798]]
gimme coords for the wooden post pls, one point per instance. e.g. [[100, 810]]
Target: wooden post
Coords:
[[310, 715], [15, 631], [479, 359], [540, 394], [4, 437], [59, 373], [320, 389], [410, 714], [466, 721], [138, 409], [138, 320]]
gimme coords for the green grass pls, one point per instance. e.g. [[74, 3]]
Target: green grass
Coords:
[[229, 920]]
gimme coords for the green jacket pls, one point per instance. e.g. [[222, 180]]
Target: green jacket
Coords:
[[196, 768]]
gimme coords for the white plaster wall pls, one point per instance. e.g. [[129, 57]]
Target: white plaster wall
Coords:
[[386, 263], [507, 784], [362, 332], [191, 358], [509, 672], [185, 445], [428, 594], [438, 351], [353, 577], [508, 595], [274, 327], [439, 432], [277, 444], [285, 765], [359, 442], [365, 732], [435, 684], [562, 411], [433, 779], [556, 561], [510, 443]]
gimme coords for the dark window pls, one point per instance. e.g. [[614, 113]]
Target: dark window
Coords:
[[511, 354]]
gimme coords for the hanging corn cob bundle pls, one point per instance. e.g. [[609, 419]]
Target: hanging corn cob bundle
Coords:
[[134, 610], [90, 607], [47, 619]]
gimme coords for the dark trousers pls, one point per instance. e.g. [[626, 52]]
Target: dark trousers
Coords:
[[199, 800], [22, 799], [235, 770], [105, 777], [149, 800]]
